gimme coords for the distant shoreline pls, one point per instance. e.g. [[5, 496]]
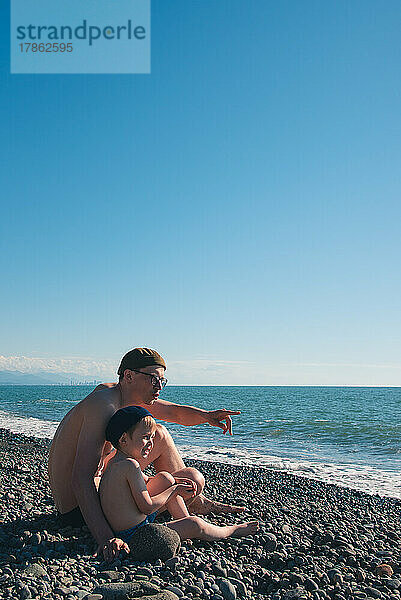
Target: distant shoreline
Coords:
[[220, 385]]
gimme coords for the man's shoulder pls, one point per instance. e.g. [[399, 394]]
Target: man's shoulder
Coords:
[[104, 386], [102, 401], [105, 391]]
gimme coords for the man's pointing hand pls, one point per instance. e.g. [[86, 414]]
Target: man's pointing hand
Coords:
[[222, 418]]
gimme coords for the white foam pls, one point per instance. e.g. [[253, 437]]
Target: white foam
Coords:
[[360, 477], [28, 425]]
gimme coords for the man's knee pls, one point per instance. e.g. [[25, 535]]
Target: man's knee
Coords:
[[196, 476], [199, 480], [166, 477]]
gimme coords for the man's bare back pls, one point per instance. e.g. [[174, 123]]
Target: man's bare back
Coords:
[[102, 402]]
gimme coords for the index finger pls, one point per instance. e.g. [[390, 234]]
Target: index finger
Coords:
[[229, 424], [232, 412]]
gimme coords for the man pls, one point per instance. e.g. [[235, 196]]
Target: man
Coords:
[[79, 452]]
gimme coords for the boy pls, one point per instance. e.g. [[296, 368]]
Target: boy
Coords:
[[130, 499]]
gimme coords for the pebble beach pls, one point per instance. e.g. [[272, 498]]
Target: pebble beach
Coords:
[[316, 541]]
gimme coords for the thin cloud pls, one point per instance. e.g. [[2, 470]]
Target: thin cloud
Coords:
[[80, 366], [207, 371], [348, 365]]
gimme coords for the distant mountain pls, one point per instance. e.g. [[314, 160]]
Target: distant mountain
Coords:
[[41, 378]]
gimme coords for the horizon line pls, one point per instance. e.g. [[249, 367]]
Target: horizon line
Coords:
[[289, 385]]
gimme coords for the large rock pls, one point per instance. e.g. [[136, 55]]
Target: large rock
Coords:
[[152, 542]]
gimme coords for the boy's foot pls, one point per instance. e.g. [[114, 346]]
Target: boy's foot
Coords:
[[245, 529], [203, 506]]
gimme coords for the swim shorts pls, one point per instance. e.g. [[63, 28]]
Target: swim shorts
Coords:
[[127, 534], [73, 518]]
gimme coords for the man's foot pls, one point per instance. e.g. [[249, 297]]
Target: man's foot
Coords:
[[203, 506], [245, 529]]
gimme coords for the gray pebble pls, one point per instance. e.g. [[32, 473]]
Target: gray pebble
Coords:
[[373, 592], [25, 593], [175, 590], [239, 586], [219, 570], [227, 589], [193, 589]]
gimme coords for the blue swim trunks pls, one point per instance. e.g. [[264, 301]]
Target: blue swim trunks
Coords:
[[127, 534]]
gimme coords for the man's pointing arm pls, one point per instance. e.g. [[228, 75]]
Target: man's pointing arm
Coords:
[[190, 415]]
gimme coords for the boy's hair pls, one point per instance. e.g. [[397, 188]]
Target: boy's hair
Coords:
[[148, 421], [125, 420]]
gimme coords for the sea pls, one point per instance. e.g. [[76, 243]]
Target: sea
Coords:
[[349, 436]]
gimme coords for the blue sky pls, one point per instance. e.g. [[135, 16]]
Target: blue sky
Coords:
[[238, 209]]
